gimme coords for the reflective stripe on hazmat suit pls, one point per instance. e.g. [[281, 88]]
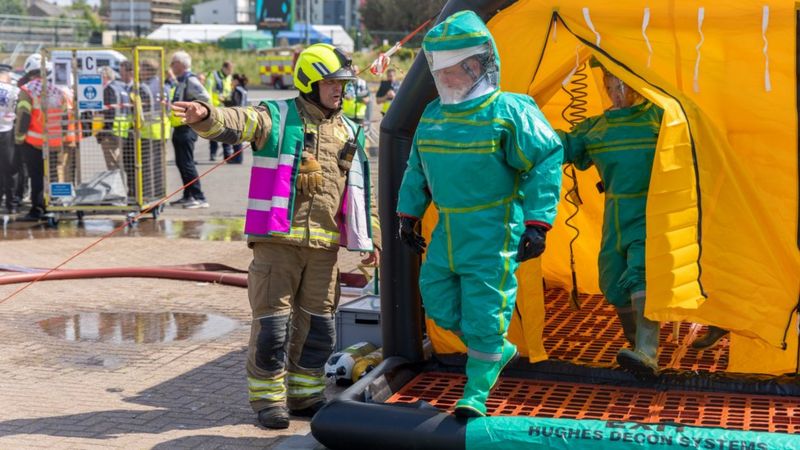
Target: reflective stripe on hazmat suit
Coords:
[[621, 143], [489, 164]]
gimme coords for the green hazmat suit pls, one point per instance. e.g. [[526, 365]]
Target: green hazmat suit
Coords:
[[621, 143], [490, 165]]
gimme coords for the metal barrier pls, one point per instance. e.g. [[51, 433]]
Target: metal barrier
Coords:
[[105, 140]]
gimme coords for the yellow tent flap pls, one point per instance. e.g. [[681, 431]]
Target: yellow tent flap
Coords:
[[722, 211], [722, 216]]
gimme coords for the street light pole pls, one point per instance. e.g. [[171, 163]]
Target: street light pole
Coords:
[[308, 22]]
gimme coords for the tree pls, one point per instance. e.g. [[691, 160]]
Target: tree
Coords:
[[105, 8], [391, 15], [87, 14], [14, 7]]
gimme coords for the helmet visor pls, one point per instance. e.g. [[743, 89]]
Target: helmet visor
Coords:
[[463, 74], [345, 71]]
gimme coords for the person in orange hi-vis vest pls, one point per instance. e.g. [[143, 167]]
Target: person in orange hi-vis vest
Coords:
[[31, 130]]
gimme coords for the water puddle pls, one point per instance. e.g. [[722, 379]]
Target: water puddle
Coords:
[[218, 229], [137, 327]]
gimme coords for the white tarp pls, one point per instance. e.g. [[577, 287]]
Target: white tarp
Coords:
[[338, 35], [195, 32]]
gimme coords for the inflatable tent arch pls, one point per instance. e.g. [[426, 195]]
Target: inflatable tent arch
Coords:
[[723, 233], [741, 266], [731, 68]]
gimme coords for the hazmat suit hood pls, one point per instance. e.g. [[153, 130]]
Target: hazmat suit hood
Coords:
[[462, 57]]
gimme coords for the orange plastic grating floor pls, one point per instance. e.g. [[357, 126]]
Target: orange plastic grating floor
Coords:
[[593, 336], [519, 397]]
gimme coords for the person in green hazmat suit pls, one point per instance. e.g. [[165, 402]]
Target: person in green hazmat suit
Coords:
[[490, 163], [621, 143]]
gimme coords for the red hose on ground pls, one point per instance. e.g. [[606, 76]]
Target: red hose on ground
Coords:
[[130, 272]]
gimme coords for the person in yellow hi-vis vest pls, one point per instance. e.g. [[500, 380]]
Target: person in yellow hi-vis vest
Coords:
[[387, 90], [156, 129], [219, 84], [355, 104], [116, 116]]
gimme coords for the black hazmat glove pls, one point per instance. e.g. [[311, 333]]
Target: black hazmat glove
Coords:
[[531, 245], [409, 235]]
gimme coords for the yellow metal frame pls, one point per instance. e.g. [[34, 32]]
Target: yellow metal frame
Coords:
[[139, 201]]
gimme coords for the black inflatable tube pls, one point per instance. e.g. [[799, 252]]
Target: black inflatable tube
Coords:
[[401, 308], [347, 423]]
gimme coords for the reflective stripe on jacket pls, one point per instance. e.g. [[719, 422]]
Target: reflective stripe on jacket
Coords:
[[270, 210], [60, 122]]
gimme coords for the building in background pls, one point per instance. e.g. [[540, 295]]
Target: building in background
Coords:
[[341, 12], [313, 9], [143, 15], [42, 8], [224, 12]]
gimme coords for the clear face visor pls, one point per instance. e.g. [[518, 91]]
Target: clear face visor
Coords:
[[463, 74], [621, 95]]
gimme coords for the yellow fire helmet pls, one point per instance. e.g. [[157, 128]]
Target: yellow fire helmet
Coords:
[[321, 62]]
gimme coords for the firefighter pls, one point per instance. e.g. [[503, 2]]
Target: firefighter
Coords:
[[309, 194]]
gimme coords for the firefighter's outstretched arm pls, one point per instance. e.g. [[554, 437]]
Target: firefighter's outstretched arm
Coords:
[[228, 125]]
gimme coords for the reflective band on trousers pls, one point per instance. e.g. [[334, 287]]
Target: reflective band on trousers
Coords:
[[318, 234], [304, 385], [472, 353], [270, 390]]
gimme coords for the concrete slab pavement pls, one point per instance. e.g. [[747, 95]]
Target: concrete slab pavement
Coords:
[[58, 393]]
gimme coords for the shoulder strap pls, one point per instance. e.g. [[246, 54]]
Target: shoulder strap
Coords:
[[355, 131], [282, 112]]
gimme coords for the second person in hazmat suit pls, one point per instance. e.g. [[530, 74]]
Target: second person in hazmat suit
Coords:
[[490, 163], [621, 143], [309, 194]]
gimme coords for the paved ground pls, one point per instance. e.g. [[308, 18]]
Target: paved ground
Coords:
[[190, 393]]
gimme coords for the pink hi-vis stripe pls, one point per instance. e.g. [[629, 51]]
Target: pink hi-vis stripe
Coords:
[[263, 185], [263, 222]]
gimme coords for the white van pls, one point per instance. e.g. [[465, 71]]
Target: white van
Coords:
[[89, 61]]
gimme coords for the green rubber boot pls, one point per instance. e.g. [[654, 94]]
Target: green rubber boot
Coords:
[[627, 318], [482, 375], [642, 360]]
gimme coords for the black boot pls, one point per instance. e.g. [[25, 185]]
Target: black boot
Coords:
[[274, 417], [710, 339], [34, 215]]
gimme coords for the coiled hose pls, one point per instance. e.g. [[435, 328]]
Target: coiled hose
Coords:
[[574, 113]]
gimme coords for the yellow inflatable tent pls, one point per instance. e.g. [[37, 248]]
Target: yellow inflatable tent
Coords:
[[722, 217]]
